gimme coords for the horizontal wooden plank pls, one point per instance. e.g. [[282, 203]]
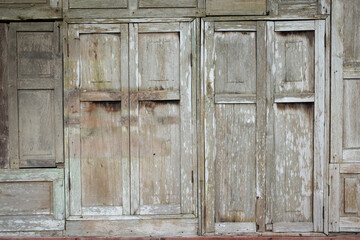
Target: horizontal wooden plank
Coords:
[[235, 227], [97, 4], [131, 217], [293, 227], [235, 98], [350, 72], [158, 95], [235, 26], [236, 7], [30, 223], [22, 1], [102, 210], [23, 175], [294, 98], [98, 96], [167, 3], [351, 155], [160, 209], [298, 8], [349, 168], [350, 224], [133, 228], [39, 163], [38, 84], [159, 27], [283, 26]]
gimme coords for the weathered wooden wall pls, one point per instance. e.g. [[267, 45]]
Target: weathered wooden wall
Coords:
[[191, 117]]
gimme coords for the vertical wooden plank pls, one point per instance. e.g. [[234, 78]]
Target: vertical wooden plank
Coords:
[[12, 99], [186, 131], [125, 147], [134, 117], [327, 122], [270, 78], [319, 126], [58, 95], [324, 6], [210, 128], [4, 129], [72, 83], [334, 199], [261, 69], [337, 55], [201, 128], [273, 7]]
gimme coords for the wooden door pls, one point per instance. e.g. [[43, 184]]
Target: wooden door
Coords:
[[344, 208], [97, 120], [295, 157], [234, 89], [163, 163], [35, 95]]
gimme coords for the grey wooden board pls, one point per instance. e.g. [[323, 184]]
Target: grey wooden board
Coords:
[[235, 7], [4, 124]]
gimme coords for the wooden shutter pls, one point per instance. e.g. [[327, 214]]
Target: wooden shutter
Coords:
[[344, 199], [295, 157], [163, 167], [35, 95], [234, 88], [97, 119]]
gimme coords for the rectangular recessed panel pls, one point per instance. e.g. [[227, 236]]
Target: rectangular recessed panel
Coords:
[[294, 62], [351, 192], [160, 162], [98, 4], [36, 126], [351, 114], [352, 31], [100, 61], [167, 3], [236, 7], [25, 198], [101, 164], [235, 62], [159, 61], [235, 162], [294, 163], [35, 55]]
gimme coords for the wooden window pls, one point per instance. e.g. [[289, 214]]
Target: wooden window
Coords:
[[35, 95], [264, 120], [130, 120]]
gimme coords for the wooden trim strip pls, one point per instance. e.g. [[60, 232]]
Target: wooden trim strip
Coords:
[[351, 155], [235, 227], [294, 26], [350, 168], [235, 26], [293, 227], [98, 96], [235, 98], [294, 98], [159, 27], [158, 95]]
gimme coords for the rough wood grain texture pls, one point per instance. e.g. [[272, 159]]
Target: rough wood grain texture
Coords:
[[159, 138], [168, 3], [133, 228], [101, 168], [351, 126], [98, 140], [235, 163], [34, 199], [37, 139], [30, 9], [334, 199], [235, 62], [4, 123], [25, 198], [351, 32], [308, 8], [93, 4], [337, 54], [294, 160], [239, 7], [294, 56], [350, 195], [261, 71]]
